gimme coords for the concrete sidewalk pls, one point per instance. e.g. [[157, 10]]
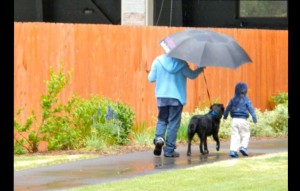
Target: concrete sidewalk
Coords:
[[118, 167]]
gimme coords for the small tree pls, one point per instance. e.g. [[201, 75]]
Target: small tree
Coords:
[[25, 136], [55, 120]]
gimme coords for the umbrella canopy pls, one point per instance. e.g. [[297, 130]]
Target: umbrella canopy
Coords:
[[205, 48]]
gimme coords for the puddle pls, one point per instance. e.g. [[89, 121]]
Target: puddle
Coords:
[[113, 168]]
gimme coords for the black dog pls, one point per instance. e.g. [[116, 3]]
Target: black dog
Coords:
[[205, 125]]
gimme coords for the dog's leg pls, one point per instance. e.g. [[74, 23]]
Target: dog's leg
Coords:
[[216, 138], [205, 145], [189, 147], [190, 138], [202, 137]]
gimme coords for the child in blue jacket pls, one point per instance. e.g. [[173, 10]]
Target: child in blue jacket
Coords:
[[239, 108]]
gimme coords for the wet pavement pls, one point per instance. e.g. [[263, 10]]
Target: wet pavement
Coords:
[[113, 168]]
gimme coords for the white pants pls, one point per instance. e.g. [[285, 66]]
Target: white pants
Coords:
[[240, 133]]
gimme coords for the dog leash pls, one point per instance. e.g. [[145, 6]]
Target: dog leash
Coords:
[[206, 88]]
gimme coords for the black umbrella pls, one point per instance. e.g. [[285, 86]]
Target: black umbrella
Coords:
[[205, 48]]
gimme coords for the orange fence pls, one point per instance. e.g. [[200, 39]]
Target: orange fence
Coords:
[[111, 61]]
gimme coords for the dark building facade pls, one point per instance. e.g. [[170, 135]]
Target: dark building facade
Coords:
[[188, 13]]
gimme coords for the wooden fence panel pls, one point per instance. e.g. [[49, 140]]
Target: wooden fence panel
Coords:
[[111, 61]]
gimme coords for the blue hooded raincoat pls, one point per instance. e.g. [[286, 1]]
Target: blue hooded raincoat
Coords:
[[240, 105]]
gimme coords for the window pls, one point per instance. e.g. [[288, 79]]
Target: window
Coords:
[[263, 8]]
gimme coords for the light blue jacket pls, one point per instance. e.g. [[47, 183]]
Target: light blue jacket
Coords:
[[170, 76]]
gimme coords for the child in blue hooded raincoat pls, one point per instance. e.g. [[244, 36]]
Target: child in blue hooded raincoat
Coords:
[[239, 108], [170, 76]]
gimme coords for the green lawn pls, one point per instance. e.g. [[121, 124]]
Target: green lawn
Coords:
[[23, 162], [261, 173]]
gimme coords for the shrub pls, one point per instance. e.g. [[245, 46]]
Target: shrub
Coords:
[[279, 98], [111, 126], [143, 135], [102, 113], [57, 125], [69, 126], [26, 138], [269, 123]]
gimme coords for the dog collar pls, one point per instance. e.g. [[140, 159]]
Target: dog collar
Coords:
[[213, 113]]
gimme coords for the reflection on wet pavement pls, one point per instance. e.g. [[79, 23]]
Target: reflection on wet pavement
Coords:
[[113, 168]]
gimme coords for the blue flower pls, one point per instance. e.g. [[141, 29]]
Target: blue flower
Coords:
[[98, 111], [109, 114]]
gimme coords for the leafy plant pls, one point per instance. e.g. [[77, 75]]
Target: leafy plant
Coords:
[[25, 136], [57, 123], [279, 98], [277, 119], [270, 123], [96, 112], [110, 127], [69, 126], [143, 135], [182, 131], [126, 119]]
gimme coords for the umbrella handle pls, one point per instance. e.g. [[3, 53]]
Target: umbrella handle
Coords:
[[206, 87]]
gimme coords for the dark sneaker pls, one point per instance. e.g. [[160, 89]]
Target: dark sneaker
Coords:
[[244, 151], [159, 143], [174, 154], [233, 154]]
